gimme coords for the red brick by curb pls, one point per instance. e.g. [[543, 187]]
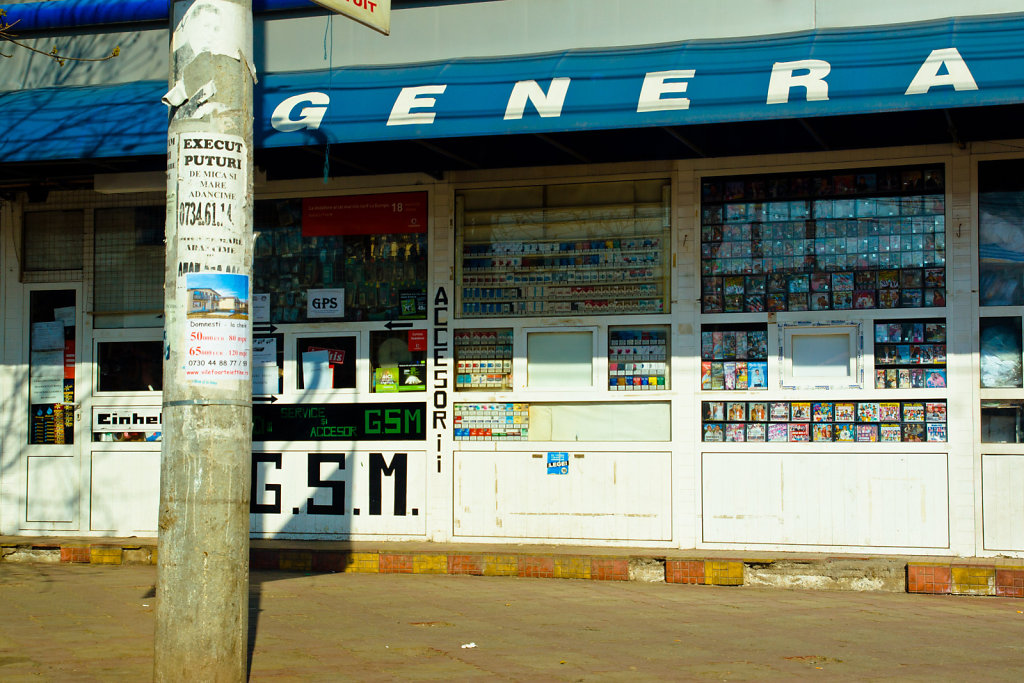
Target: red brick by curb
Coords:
[[956, 576]]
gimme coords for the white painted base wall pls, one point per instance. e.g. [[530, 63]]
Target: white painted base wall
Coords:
[[607, 496], [1002, 485], [826, 499]]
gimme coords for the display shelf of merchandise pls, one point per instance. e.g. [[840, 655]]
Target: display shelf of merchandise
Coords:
[[483, 359], [383, 276], [564, 277], [492, 421], [910, 355], [863, 239], [733, 358], [824, 421], [638, 359]]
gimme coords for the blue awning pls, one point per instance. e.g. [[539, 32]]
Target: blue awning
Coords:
[[942, 64]]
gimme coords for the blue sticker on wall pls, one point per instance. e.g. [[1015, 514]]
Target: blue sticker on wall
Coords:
[[558, 463]]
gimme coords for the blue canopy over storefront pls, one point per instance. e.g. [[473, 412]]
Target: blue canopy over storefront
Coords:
[[933, 65]]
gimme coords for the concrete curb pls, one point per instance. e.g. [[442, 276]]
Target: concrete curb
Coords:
[[942, 576]]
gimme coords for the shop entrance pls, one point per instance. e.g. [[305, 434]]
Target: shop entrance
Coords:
[[52, 411]]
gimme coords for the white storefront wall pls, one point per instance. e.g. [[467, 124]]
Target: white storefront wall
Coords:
[[958, 497]]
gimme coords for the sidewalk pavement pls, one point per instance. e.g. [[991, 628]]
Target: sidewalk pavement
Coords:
[[1002, 577], [93, 623]]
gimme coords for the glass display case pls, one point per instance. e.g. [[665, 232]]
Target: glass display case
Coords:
[[581, 249], [638, 358], [483, 359], [855, 239], [734, 357], [372, 260], [910, 354], [830, 421]]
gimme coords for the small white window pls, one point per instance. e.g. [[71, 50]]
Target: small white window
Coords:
[[560, 360], [817, 355]]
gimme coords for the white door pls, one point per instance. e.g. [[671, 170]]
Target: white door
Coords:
[[50, 394]]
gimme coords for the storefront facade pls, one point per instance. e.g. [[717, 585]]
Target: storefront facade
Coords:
[[775, 346]]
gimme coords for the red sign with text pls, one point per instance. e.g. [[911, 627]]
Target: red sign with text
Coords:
[[365, 214], [334, 356], [417, 340]]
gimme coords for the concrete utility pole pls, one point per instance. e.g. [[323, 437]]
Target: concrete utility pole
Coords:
[[203, 563]]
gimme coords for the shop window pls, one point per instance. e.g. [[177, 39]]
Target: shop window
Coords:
[[1002, 421], [1001, 232], [910, 354], [483, 359], [734, 357], [52, 357], [128, 258], [328, 259], [827, 421], [559, 359], [398, 360], [820, 355], [52, 246], [855, 239], [323, 363], [1001, 352], [638, 358], [578, 249], [129, 366]]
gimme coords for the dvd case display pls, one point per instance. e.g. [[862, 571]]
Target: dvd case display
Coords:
[[910, 354], [796, 421], [734, 357], [787, 243]]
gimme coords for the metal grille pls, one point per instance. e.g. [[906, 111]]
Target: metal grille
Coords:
[[52, 243], [128, 260]]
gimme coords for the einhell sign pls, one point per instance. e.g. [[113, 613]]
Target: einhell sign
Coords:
[[373, 13]]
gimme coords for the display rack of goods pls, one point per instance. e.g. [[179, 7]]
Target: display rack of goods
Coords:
[[733, 357], [483, 359], [638, 359], [492, 421], [910, 354], [855, 239], [828, 421]]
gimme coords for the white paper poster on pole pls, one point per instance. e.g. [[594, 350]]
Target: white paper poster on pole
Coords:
[[210, 202], [217, 328]]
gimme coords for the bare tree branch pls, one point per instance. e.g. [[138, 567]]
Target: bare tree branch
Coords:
[[54, 53]]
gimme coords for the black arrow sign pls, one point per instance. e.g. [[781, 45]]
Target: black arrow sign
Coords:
[[263, 329], [264, 399], [391, 324]]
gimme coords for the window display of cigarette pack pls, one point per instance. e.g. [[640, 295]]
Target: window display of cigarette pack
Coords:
[[483, 359], [638, 359], [492, 421]]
